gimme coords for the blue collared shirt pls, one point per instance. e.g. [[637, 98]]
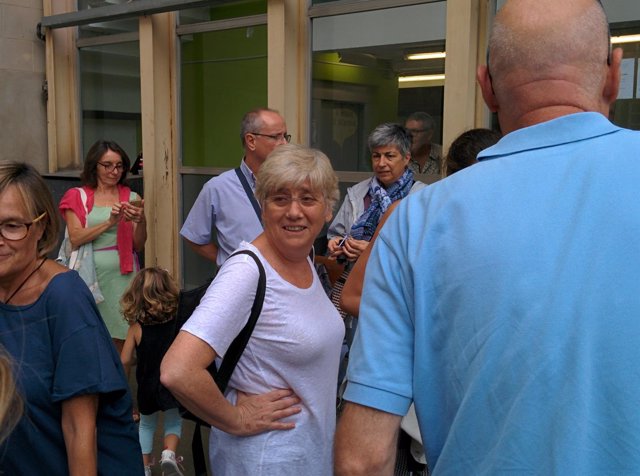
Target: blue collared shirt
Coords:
[[505, 301], [223, 205]]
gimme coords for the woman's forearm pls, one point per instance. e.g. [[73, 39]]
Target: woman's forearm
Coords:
[[80, 235], [83, 236], [252, 414], [139, 234], [197, 391], [79, 431], [184, 372]]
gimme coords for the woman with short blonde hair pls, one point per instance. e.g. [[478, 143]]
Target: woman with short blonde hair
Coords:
[[277, 416]]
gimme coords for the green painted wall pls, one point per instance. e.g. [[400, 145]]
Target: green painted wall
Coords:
[[239, 8], [224, 74]]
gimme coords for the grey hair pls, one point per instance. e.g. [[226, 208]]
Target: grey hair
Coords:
[[390, 133], [292, 165], [252, 122], [425, 119]]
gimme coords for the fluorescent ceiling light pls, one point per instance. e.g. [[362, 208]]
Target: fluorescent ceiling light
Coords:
[[427, 56], [424, 77], [625, 39]]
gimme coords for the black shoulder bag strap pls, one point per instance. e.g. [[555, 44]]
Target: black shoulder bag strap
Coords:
[[235, 350], [228, 364], [249, 192]]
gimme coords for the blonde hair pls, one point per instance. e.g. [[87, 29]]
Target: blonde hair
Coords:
[[151, 297], [37, 199], [292, 164], [10, 401]]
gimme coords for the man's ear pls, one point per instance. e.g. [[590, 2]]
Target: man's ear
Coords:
[[250, 141], [612, 81], [484, 80]]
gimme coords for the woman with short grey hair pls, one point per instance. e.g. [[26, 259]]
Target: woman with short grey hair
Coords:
[[357, 219], [277, 416]]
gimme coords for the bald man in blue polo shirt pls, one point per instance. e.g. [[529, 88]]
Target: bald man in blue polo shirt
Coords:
[[505, 300]]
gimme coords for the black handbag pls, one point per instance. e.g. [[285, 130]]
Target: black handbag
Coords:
[[187, 303]]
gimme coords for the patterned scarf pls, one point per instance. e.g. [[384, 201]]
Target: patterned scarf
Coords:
[[381, 198]]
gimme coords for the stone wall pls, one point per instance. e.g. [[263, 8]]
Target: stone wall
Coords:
[[23, 133]]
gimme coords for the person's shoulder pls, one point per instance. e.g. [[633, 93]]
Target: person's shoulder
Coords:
[[64, 282], [360, 187], [222, 181], [417, 185], [66, 301], [67, 291], [71, 195], [245, 254]]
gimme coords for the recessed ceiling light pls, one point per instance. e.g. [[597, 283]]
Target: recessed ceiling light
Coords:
[[625, 39], [423, 77], [426, 56]]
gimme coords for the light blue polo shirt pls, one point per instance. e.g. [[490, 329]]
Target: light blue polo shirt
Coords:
[[505, 300], [223, 204]]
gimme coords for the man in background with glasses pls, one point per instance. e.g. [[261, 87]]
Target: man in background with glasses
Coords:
[[226, 202], [426, 157], [515, 326]]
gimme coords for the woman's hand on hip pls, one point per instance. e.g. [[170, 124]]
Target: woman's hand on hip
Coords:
[[260, 413]]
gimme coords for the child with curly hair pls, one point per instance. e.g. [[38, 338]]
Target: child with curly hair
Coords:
[[149, 305]]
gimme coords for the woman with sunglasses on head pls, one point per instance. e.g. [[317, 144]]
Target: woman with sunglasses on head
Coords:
[[114, 221], [77, 408]]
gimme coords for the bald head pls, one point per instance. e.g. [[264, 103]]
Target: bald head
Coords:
[[544, 37], [548, 58]]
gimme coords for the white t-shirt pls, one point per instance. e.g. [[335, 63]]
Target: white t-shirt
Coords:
[[295, 344]]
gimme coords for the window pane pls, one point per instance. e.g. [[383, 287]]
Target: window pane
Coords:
[[196, 270], [235, 9], [626, 110], [355, 78], [110, 95], [127, 25], [224, 74], [102, 28]]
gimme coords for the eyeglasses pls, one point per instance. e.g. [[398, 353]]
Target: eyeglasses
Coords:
[[17, 231], [111, 167], [388, 156], [416, 131], [276, 137], [285, 201]]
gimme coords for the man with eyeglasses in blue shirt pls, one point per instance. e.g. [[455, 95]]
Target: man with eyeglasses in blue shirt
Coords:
[[225, 202]]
